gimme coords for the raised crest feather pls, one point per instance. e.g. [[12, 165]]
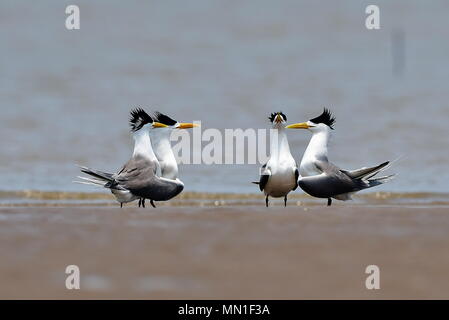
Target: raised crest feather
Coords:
[[139, 118], [273, 115], [326, 117]]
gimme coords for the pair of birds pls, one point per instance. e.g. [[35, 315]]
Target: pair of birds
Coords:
[[152, 171], [315, 175]]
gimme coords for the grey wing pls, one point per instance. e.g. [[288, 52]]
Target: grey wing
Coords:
[[325, 186], [163, 189], [328, 168], [296, 178], [263, 182], [263, 178], [139, 176], [330, 182], [333, 181], [366, 173], [136, 174]]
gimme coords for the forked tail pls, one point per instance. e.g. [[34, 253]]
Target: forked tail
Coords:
[[377, 181], [99, 175], [369, 179], [100, 178]]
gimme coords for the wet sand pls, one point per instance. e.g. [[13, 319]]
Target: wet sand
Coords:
[[246, 252]]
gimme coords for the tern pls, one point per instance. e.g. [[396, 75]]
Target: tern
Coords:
[[160, 141], [137, 180], [322, 179], [280, 174]]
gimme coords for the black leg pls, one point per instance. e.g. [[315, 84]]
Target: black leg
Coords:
[[143, 202], [266, 201], [140, 202], [152, 203], [329, 202], [121, 204], [285, 201]]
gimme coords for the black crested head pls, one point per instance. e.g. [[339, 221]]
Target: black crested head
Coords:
[[273, 115], [138, 119], [162, 118], [326, 117]]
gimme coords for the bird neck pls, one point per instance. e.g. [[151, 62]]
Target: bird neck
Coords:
[[279, 144], [164, 154], [317, 146], [142, 145]]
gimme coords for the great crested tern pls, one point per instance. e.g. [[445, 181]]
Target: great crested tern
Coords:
[[160, 141], [137, 180], [322, 179], [280, 174]]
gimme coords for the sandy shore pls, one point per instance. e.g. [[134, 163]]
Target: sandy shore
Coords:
[[226, 252]]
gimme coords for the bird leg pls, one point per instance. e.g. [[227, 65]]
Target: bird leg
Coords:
[[285, 201], [152, 203], [143, 202], [266, 201], [140, 202], [329, 202], [121, 204]]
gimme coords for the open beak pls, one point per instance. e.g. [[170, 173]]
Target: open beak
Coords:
[[159, 125], [302, 125], [187, 125], [278, 118]]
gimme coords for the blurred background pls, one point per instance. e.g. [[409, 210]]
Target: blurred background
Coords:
[[65, 95]]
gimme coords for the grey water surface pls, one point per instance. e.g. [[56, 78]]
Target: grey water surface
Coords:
[[65, 95]]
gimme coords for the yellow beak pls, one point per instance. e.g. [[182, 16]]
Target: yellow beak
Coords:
[[302, 125], [159, 125], [187, 125], [278, 118]]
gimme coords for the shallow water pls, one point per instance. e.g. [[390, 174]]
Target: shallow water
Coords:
[[32, 198], [65, 95]]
